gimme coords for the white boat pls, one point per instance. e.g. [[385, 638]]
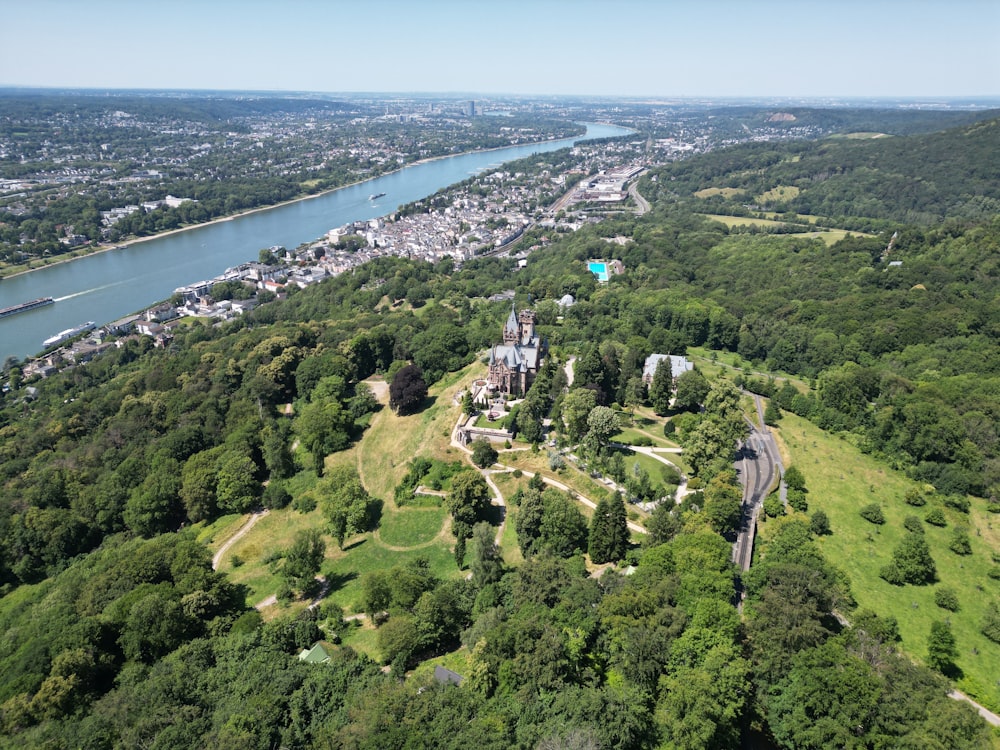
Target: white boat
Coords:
[[68, 334]]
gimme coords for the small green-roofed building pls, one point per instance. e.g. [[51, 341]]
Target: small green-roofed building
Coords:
[[318, 654]]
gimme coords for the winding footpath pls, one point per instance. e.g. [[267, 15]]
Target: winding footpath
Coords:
[[254, 517]]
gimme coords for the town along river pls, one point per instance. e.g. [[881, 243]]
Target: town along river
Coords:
[[112, 284]]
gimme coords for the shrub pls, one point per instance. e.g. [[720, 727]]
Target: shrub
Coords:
[[773, 507], [275, 495], [991, 622], [794, 479], [304, 503], [912, 524], [946, 598], [892, 574], [819, 524], [797, 499], [913, 497], [958, 502], [873, 513], [936, 517], [960, 543]]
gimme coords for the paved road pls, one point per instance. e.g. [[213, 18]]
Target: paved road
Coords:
[[758, 465], [641, 204]]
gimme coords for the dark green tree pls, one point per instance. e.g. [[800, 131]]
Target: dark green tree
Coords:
[[608, 538], [723, 502], [911, 562], [487, 562], [304, 557], [990, 626], [483, 453], [935, 517], [941, 648], [528, 522], [960, 543], [819, 524], [237, 489], [794, 479], [661, 389], [692, 388], [563, 529], [468, 504], [346, 503], [772, 414]]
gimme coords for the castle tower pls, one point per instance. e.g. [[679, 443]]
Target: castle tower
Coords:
[[526, 326], [512, 329]]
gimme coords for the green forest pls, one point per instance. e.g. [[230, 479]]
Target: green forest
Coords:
[[881, 349]]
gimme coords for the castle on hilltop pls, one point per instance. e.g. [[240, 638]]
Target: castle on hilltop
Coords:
[[514, 364]]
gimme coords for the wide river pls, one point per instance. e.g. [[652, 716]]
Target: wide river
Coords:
[[112, 284]]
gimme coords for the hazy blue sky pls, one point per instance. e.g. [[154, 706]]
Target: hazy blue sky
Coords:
[[626, 47]]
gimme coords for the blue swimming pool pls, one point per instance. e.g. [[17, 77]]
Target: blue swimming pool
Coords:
[[600, 270]]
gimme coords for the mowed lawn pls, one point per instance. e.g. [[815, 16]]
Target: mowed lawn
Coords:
[[841, 480], [409, 527]]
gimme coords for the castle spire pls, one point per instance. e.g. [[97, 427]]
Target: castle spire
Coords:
[[511, 331]]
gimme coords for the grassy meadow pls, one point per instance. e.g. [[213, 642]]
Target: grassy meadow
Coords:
[[724, 192], [779, 193], [840, 480]]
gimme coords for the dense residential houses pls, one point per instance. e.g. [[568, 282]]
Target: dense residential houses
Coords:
[[486, 216]]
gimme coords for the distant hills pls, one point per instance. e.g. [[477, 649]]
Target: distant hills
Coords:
[[921, 179]]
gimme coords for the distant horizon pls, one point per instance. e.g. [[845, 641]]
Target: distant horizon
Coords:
[[923, 49], [986, 100]]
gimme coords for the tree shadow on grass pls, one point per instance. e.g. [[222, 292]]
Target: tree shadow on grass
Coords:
[[952, 671], [355, 544], [337, 581], [494, 515]]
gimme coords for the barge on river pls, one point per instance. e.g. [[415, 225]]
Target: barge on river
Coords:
[[25, 306]]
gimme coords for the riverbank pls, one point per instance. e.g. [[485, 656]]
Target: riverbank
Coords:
[[105, 286], [124, 244]]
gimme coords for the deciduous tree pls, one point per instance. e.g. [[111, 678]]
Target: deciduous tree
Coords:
[[407, 390], [941, 648], [692, 388], [483, 453]]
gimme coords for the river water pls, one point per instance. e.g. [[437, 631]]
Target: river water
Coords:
[[112, 284]]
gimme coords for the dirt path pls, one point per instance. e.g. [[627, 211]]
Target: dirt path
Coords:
[[316, 601], [269, 602], [217, 558], [497, 500]]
